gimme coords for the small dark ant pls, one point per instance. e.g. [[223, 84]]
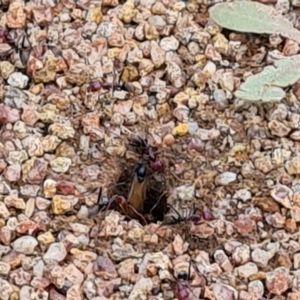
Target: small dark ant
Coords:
[[182, 288], [195, 218], [144, 147]]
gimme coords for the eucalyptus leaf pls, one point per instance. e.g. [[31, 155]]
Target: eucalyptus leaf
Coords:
[[253, 17], [267, 85]]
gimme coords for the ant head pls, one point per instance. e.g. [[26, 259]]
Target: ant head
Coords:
[[182, 275], [140, 171]]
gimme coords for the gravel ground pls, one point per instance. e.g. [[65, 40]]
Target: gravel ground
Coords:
[[90, 88]]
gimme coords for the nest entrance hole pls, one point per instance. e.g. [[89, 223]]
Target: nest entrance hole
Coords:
[[156, 198]]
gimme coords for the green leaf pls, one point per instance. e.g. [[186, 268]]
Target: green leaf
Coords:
[[253, 17], [267, 85]]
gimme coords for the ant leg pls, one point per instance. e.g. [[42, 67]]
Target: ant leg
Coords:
[[110, 202], [180, 219], [201, 277], [95, 209], [99, 196], [138, 214], [183, 286], [155, 205]]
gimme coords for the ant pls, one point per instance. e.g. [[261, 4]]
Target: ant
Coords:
[[182, 292], [144, 146], [134, 205], [196, 217]]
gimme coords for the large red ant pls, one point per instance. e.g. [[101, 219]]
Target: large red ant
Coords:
[[134, 205]]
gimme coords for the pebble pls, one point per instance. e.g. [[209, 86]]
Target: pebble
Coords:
[[180, 130], [4, 212], [147, 2], [293, 166], [241, 255], [260, 257], [106, 29], [127, 269], [49, 188], [209, 69], [295, 213], [62, 131], [283, 195], [225, 178], [13, 173], [220, 98], [105, 268], [62, 204], [38, 268], [224, 292], [74, 293], [6, 69], [180, 71], [179, 245], [18, 80], [160, 260], [242, 194], [157, 21], [61, 164], [56, 252], [80, 228], [25, 244], [245, 271], [186, 193], [144, 284], [6, 290], [46, 238], [278, 128], [256, 288], [223, 261], [4, 268], [193, 127], [169, 44], [208, 134], [15, 98], [73, 274], [277, 281]]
